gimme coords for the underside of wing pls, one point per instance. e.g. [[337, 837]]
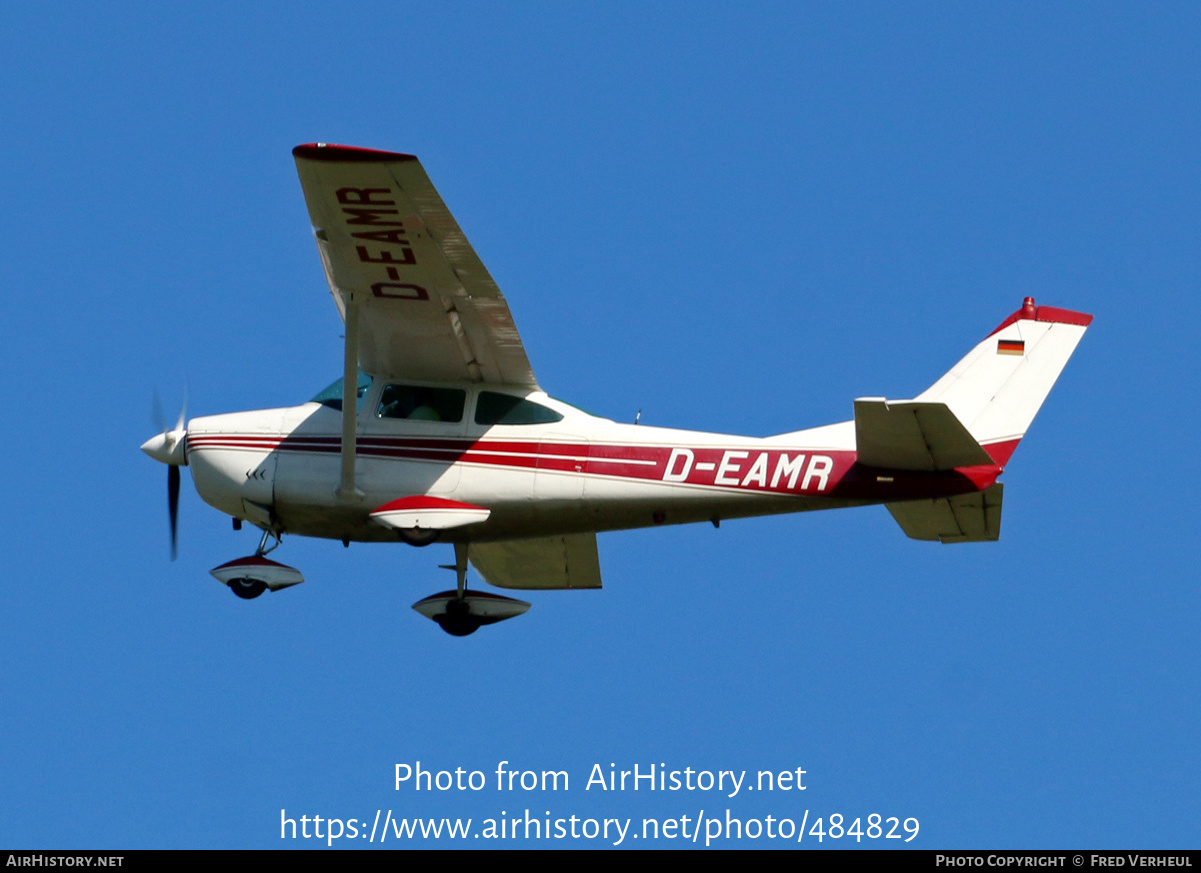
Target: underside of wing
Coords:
[[539, 562], [427, 308]]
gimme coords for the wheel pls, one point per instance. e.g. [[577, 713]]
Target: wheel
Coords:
[[458, 620], [418, 538], [458, 626], [247, 589]]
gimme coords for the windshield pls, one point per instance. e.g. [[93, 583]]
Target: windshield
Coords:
[[332, 396]]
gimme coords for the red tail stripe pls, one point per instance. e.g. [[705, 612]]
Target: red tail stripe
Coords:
[[1046, 314]]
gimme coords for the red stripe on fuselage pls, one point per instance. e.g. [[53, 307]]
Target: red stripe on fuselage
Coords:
[[746, 468]]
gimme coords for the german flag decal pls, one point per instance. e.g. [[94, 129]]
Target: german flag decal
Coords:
[[1011, 347]]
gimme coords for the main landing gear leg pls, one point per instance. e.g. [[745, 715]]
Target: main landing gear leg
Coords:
[[458, 620], [461, 567]]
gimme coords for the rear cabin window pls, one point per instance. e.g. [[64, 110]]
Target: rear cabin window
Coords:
[[493, 408], [419, 403]]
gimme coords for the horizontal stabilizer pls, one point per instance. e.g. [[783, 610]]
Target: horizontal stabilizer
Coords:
[[913, 435], [539, 562], [965, 518]]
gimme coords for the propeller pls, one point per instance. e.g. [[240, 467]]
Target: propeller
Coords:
[[173, 507], [169, 448]]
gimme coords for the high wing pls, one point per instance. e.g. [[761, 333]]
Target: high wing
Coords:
[[424, 306]]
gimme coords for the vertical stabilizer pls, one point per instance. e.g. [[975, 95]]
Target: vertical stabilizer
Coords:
[[997, 389]]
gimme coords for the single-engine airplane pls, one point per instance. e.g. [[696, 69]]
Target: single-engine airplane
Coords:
[[438, 431]]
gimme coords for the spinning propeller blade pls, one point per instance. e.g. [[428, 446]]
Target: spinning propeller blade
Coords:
[[173, 506]]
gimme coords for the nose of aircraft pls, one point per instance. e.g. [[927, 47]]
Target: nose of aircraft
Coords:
[[167, 447]]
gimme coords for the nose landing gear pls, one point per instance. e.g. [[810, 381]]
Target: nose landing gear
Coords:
[[250, 576]]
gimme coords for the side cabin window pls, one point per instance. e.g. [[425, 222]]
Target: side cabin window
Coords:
[[420, 403], [332, 396], [493, 408]]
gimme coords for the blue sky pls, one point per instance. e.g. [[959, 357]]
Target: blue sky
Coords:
[[732, 218]]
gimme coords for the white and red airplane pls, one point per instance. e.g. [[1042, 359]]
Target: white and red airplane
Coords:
[[438, 430]]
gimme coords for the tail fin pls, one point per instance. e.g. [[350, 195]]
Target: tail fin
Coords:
[[997, 389]]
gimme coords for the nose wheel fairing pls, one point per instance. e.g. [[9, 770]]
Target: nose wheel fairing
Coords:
[[250, 576]]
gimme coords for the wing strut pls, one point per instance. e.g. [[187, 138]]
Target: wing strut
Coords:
[[347, 492]]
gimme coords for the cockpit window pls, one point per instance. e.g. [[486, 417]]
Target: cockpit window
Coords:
[[419, 403], [493, 408], [332, 396]]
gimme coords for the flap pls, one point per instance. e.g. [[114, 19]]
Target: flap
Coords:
[[539, 562]]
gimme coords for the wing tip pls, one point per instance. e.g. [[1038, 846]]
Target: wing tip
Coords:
[[323, 151]]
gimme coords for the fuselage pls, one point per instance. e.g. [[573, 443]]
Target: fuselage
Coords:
[[541, 466]]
